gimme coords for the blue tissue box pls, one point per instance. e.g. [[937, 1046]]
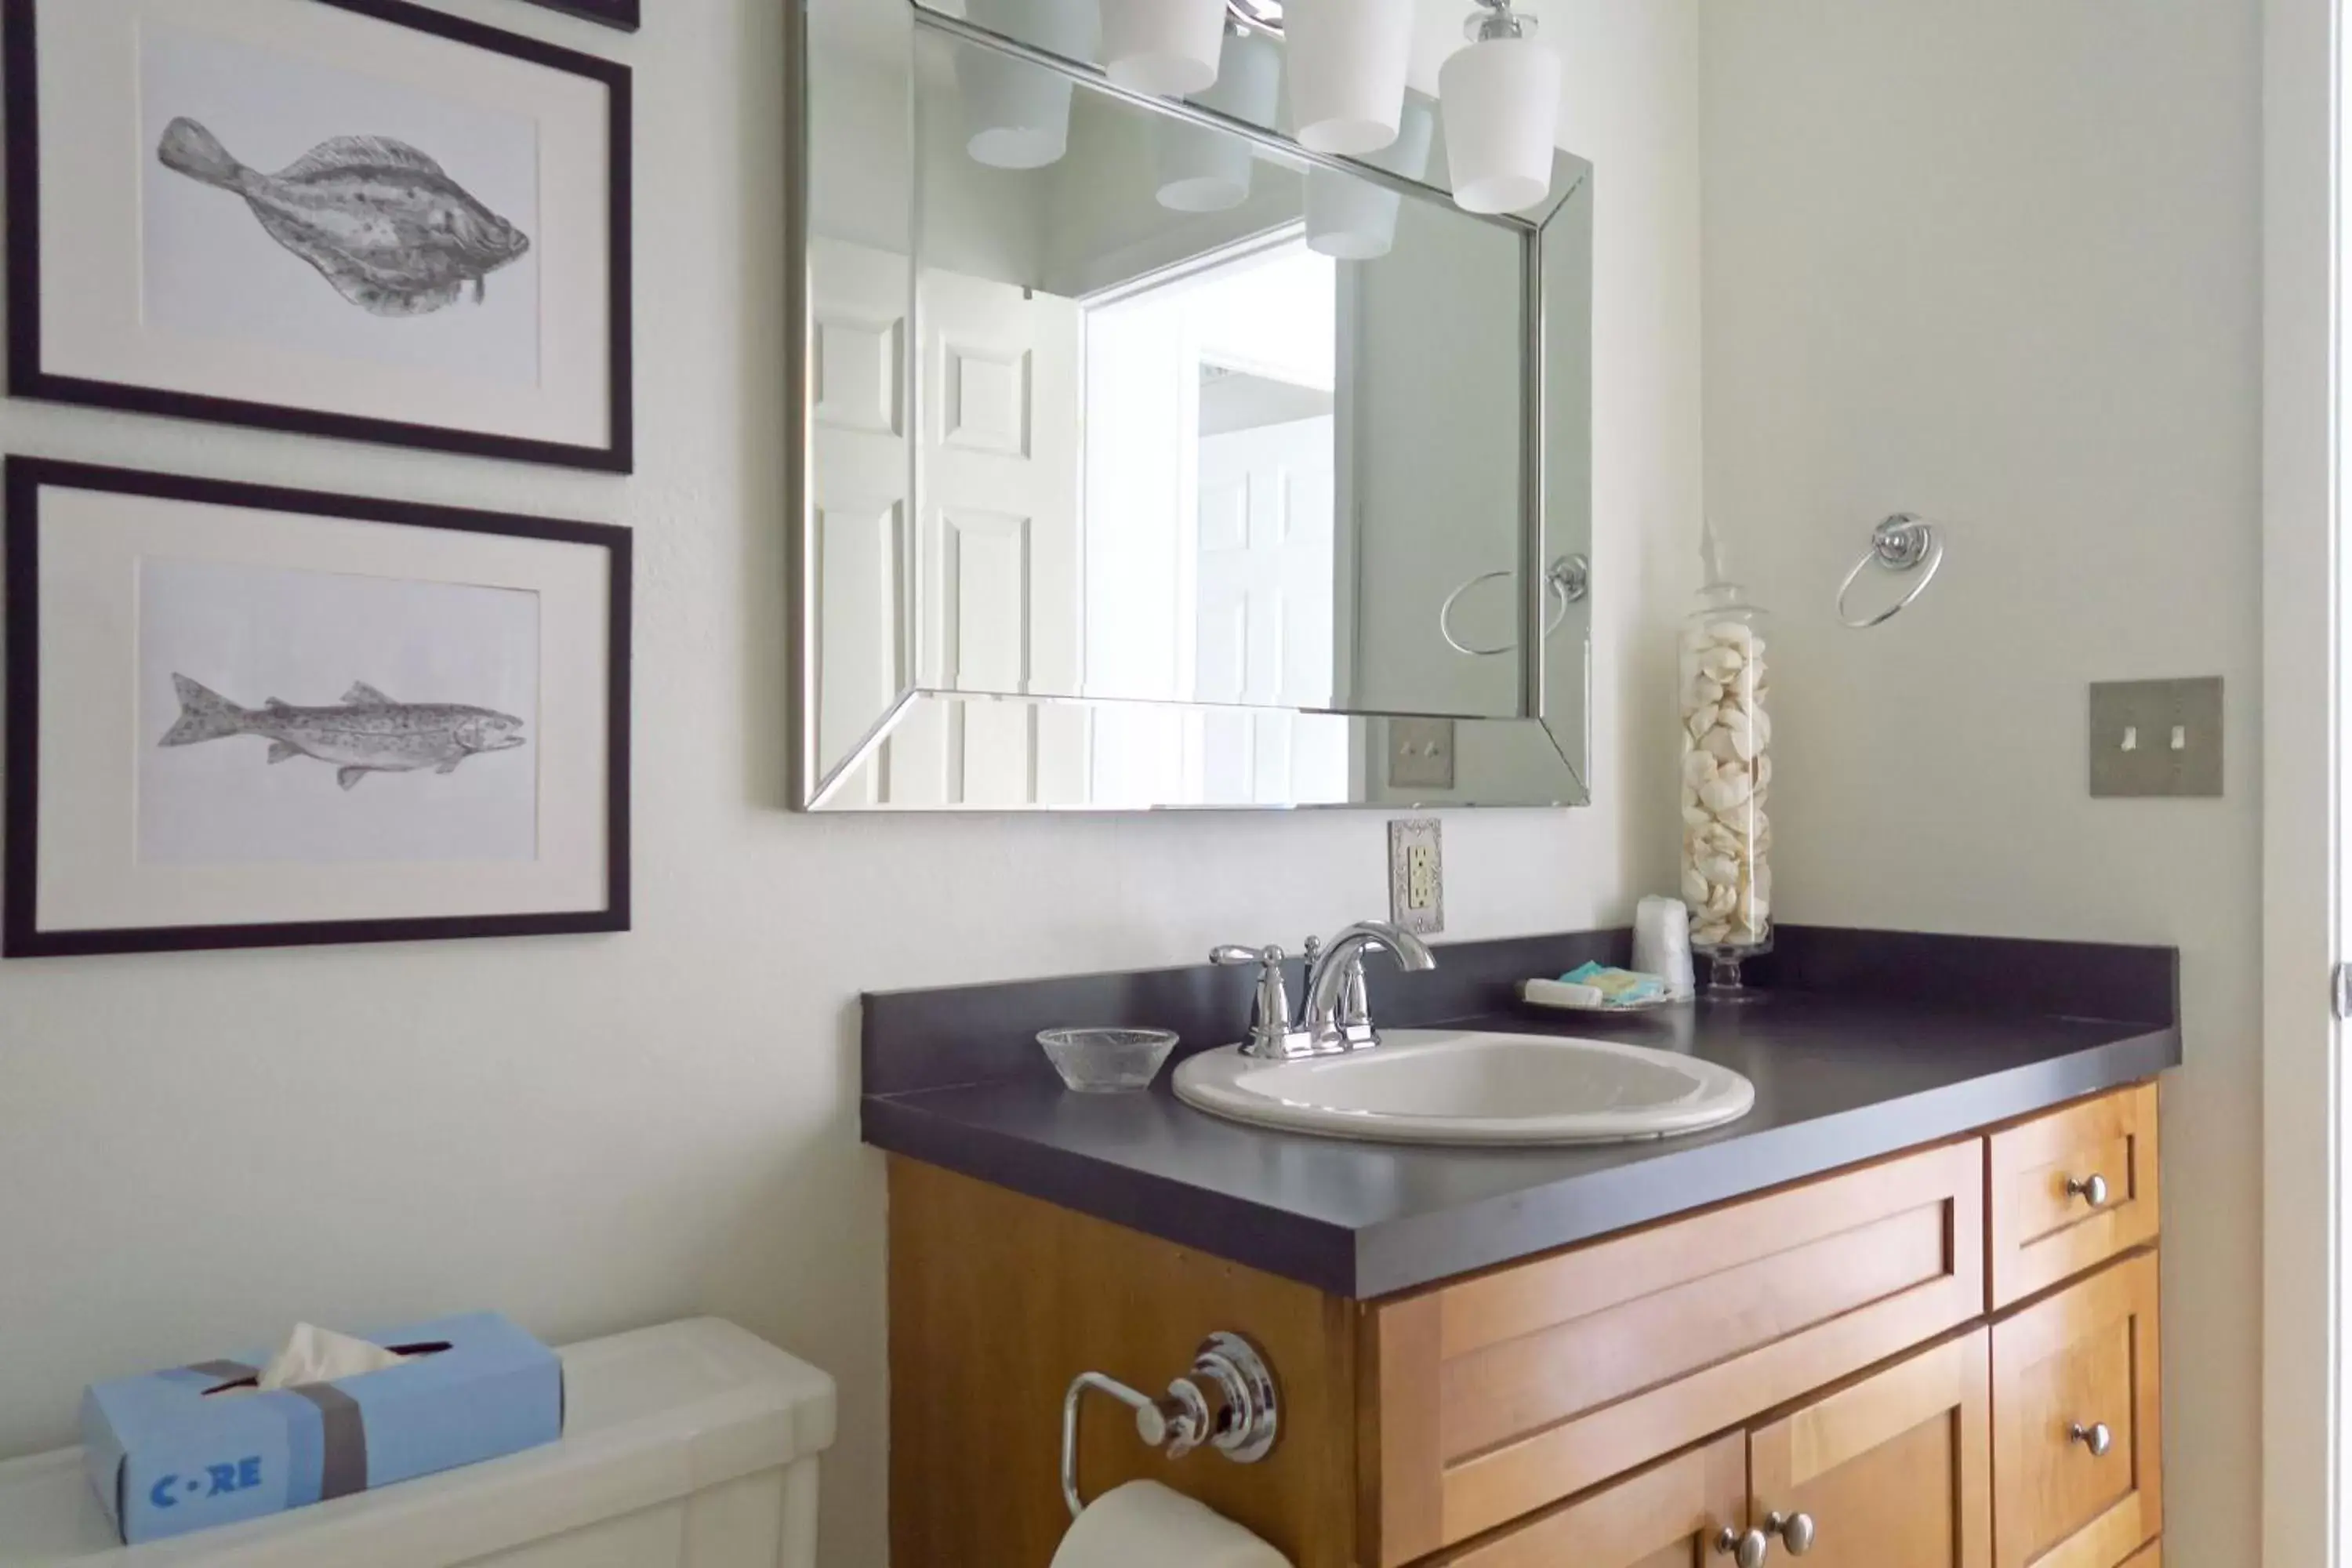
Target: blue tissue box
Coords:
[[168, 1454]]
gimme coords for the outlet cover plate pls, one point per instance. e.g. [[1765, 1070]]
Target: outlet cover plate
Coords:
[[1421, 754], [1408, 839], [2134, 725]]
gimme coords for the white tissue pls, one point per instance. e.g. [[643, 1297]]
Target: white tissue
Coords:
[[313, 1354], [1144, 1525]]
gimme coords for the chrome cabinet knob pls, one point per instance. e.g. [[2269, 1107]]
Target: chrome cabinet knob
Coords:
[[1747, 1549], [2092, 1189], [2096, 1437], [1795, 1530]]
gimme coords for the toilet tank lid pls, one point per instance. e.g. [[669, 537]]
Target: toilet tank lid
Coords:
[[650, 1416]]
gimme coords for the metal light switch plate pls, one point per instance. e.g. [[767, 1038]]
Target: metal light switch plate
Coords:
[[2156, 738], [1421, 754]]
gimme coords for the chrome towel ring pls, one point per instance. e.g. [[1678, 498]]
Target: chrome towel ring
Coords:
[[1568, 580], [1904, 542]]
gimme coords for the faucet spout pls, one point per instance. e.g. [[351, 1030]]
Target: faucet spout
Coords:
[[1338, 1017]]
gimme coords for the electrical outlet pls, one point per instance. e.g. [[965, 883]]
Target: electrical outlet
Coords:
[[1417, 876]]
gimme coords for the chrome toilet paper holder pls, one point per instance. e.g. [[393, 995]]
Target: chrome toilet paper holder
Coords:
[[1236, 1411]]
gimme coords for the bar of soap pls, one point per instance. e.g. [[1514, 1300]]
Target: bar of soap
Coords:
[[1560, 994]]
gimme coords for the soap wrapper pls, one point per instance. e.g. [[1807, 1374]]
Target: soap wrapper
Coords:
[[193, 1447]]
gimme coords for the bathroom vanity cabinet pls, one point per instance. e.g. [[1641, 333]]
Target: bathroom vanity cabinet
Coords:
[[1947, 1355]]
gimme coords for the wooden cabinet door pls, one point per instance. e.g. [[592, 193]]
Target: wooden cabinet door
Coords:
[[1893, 1471], [2043, 1176], [1503, 1392], [1671, 1515], [2084, 1358]]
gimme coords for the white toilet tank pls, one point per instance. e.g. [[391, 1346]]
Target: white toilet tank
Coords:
[[693, 1445]]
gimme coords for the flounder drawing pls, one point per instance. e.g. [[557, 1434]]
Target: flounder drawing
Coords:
[[380, 220], [368, 733]]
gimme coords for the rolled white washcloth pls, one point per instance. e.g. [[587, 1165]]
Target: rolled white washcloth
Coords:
[[1144, 1525]]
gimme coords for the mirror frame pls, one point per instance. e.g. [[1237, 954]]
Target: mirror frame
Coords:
[[1543, 712]]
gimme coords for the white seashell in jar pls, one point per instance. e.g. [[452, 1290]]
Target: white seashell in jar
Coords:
[[1719, 744], [1701, 720], [1711, 934], [1732, 634], [1698, 767], [1761, 722], [1737, 723], [1721, 901], [1722, 664], [1694, 814], [1693, 887], [1702, 691], [1727, 789], [1720, 872], [1763, 765]]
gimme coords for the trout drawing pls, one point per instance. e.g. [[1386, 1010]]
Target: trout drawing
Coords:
[[368, 733], [380, 220]]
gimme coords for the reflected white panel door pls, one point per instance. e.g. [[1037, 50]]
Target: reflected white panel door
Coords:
[[1264, 620], [997, 550], [861, 541]]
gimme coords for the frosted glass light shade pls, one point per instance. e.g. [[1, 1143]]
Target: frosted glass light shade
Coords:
[[1017, 115], [1204, 171], [1347, 60], [1164, 47], [1501, 100], [1355, 220]]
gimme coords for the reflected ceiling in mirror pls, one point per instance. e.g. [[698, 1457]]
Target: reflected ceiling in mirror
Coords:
[[1153, 460]]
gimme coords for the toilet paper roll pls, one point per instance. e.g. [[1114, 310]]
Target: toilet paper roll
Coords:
[[1144, 1525]]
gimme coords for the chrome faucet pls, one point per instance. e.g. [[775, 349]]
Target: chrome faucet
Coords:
[[1339, 1008], [1338, 1016]]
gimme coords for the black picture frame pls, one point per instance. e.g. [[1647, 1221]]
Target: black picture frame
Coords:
[[621, 14], [27, 377], [21, 935]]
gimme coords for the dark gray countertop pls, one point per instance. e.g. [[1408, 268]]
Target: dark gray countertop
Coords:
[[1839, 1078]]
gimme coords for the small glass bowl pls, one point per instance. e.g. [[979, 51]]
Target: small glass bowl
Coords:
[[1106, 1061]]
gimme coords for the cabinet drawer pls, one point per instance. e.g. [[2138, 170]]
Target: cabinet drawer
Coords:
[[1668, 1516], [1894, 1471], [2042, 1233], [1489, 1398], [2084, 1358]]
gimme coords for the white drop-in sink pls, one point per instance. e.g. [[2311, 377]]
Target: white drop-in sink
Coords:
[[1447, 1086]]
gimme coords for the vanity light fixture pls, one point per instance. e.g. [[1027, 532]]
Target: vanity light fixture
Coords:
[[1017, 114], [1347, 60], [1200, 170], [1501, 102], [1169, 48], [1355, 220]]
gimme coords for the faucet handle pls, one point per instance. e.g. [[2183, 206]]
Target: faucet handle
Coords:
[[1271, 1033]]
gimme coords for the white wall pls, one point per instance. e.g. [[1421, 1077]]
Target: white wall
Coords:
[[592, 1133], [1998, 263]]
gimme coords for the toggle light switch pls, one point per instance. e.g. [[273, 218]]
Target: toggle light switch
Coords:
[[2187, 713]]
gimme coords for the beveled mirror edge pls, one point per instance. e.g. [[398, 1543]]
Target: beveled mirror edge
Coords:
[[811, 784]]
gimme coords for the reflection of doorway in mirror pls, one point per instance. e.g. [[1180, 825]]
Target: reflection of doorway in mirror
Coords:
[[1212, 566]]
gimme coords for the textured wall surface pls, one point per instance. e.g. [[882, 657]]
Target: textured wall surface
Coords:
[[2000, 264], [596, 1134]]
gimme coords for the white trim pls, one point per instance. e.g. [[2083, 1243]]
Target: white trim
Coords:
[[2301, 1153]]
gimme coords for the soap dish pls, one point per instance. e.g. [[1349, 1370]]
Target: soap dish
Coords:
[[1106, 1061], [1554, 997]]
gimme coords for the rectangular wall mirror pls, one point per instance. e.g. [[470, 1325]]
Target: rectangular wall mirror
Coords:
[[1149, 460]]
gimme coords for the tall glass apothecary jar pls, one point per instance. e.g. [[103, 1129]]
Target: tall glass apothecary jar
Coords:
[[1726, 778]]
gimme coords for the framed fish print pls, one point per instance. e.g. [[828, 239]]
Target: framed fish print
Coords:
[[355, 218], [621, 14], [246, 716]]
